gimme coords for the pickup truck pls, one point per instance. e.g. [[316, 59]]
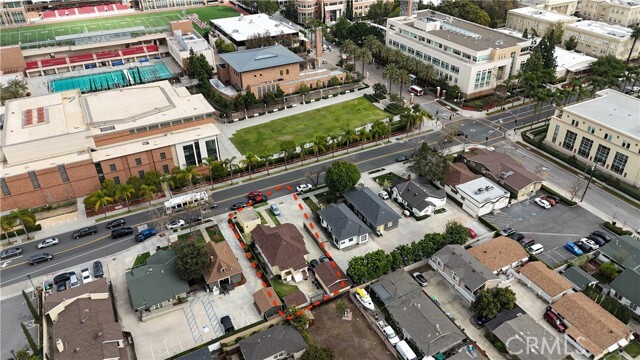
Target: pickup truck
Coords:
[[388, 332], [85, 231], [145, 234]]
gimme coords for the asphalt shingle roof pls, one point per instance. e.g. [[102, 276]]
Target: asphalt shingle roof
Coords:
[[343, 222], [579, 277], [626, 284], [625, 250], [416, 194], [267, 343], [517, 334], [499, 252], [499, 163], [371, 206], [282, 246], [471, 271], [260, 58], [546, 279]]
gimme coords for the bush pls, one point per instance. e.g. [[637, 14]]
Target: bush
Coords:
[[394, 109], [615, 229], [370, 98], [18, 232]]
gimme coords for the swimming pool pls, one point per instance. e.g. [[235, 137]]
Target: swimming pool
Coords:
[[113, 79]]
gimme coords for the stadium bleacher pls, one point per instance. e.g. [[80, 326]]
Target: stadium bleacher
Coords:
[[84, 11]]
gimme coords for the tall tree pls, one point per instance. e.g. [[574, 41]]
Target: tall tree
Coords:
[[250, 160], [342, 176], [571, 43], [430, 164], [635, 35], [191, 258], [148, 192], [210, 162], [363, 55], [7, 222], [126, 192], [390, 73], [189, 173], [287, 148], [465, 9], [403, 78], [14, 89], [101, 198], [319, 145]]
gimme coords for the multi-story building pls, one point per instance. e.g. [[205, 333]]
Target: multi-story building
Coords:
[[183, 40], [238, 30], [331, 10], [602, 131], [531, 19], [474, 57], [567, 7], [624, 13], [601, 39], [62, 145]]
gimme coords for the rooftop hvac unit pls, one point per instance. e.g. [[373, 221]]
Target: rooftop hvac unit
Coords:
[[488, 188], [506, 174]]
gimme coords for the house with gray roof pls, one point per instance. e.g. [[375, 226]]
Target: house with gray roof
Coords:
[[528, 340], [421, 321], [155, 285], [624, 251], [277, 342], [579, 278], [463, 271], [626, 290], [345, 228], [372, 210], [420, 199]]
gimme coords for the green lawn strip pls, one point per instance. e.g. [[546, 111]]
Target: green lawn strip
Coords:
[[388, 176], [195, 234], [330, 120], [263, 221], [141, 259], [273, 217], [283, 289], [214, 234], [206, 14], [633, 349]]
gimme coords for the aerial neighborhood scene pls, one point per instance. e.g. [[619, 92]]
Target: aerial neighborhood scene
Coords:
[[320, 179]]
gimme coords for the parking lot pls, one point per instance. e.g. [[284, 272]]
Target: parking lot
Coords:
[[552, 228]]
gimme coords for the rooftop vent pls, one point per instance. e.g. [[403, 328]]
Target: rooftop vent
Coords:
[[506, 174]]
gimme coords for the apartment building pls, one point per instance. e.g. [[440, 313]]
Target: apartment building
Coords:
[[183, 40], [566, 7], [331, 10], [88, 138], [540, 20], [601, 39], [602, 131], [623, 13], [474, 57]]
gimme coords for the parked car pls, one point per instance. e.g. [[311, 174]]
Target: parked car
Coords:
[[590, 244], [556, 199], [73, 281], [597, 239], [61, 286], [227, 324], [573, 248], [516, 236], [194, 219], [535, 249], [259, 199], [402, 158], [323, 258], [275, 210], [213, 206], [527, 241], [16, 251], [253, 194], [388, 332], [480, 320], [554, 321], [176, 224], [383, 194], [238, 205], [145, 234], [115, 223], [542, 203], [62, 277], [121, 232], [548, 199], [602, 234], [582, 246], [314, 263], [37, 259], [420, 279], [472, 233], [86, 276], [303, 187], [85, 231], [48, 242], [507, 231], [97, 269], [459, 133]]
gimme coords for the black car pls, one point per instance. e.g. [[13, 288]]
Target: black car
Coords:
[[459, 133], [213, 206], [597, 239], [37, 259], [97, 270], [86, 231], [121, 232], [323, 258], [313, 263], [517, 236], [227, 324], [62, 277], [193, 219], [115, 223], [582, 246], [507, 231], [238, 205], [603, 235], [61, 286], [11, 253]]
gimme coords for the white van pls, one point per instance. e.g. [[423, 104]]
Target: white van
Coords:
[[405, 351], [535, 249], [416, 90]]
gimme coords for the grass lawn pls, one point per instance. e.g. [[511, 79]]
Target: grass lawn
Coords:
[[273, 217], [195, 234], [214, 233], [330, 120], [281, 288], [633, 349], [263, 221], [613, 356], [392, 177], [140, 259], [158, 20]]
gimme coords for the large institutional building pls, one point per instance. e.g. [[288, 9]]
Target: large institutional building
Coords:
[[62, 145], [474, 57], [602, 131], [331, 10], [530, 18], [621, 12]]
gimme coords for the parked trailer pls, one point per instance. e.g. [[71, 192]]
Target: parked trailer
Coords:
[[182, 202]]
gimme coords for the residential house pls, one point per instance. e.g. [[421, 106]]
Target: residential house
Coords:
[[371, 209], [624, 251], [248, 219], [420, 320], [626, 289], [478, 195], [545, 282], [345, 228], [505, 171], [282, 248], [267, 302], [463, 271], [579, 278], [223, 271], [199, 354], [296, 299], [500, 254], [332, 278], [518, 333], [591, 328], [421, 200], [155, 285], [80, 323], [276, 342], [503, 316]]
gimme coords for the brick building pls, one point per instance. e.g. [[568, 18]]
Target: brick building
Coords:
[[87, 140]]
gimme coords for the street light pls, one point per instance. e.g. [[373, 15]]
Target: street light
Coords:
[[593, 170]]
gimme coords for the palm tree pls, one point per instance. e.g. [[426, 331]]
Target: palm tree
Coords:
[[386, 53], [350, 48], [372, 44], [403, 78], [210, 162], [126, 192], [287, 147], [14, 89], [349, 135], [230, 166], [167, 184], [390, 73], [635, 35], [189, 173], [364, 136], [303, 150], [376, 130], [266, 158], [249, 160], [333, 143], [148, 192], [319, 144], [7, 223], [101, 198], [364, 55]]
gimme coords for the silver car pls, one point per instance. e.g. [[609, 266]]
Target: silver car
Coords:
[[48, 242]]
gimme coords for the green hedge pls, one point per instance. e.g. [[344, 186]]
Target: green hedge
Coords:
[[394, 109], [563, 198], [370, 98], [18, 232], [615, 229]]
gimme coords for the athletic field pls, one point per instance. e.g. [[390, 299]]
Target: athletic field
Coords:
[[152, 21]]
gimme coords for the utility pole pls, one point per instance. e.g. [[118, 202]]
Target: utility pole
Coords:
[[593, 170]]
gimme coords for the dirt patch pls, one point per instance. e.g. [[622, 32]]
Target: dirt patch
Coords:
[[349, 339]]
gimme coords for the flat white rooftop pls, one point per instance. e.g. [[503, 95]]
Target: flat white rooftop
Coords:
[[244, 26], [612, 109], [625, 3], [601, 28], [543, 14], [572, 60], [482, 190]]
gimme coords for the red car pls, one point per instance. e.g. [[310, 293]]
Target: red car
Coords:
[[472, 234], [253, 194], [550, 200], [555, 321]]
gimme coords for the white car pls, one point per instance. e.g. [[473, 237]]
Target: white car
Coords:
[[304, 187], [86, 276], [176, 224], [383, 194], [542, 203], [48, 242], [388, 332], [590, 244]]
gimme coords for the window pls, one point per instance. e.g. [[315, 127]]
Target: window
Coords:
[[619, 162], [591, 130], [138, 161], [555, 134], [439, 263], [287, 71], [569, 140], [575, 123], [608, 137], [141, 174], [626, 144], [34, 180], [63, 173], [116, 180], [601, 154], [4, 187], [163, 156], [585, 147], [211, 147], [455, 278], [112, 167], [165, 169], [189, 155], [281, 72]]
